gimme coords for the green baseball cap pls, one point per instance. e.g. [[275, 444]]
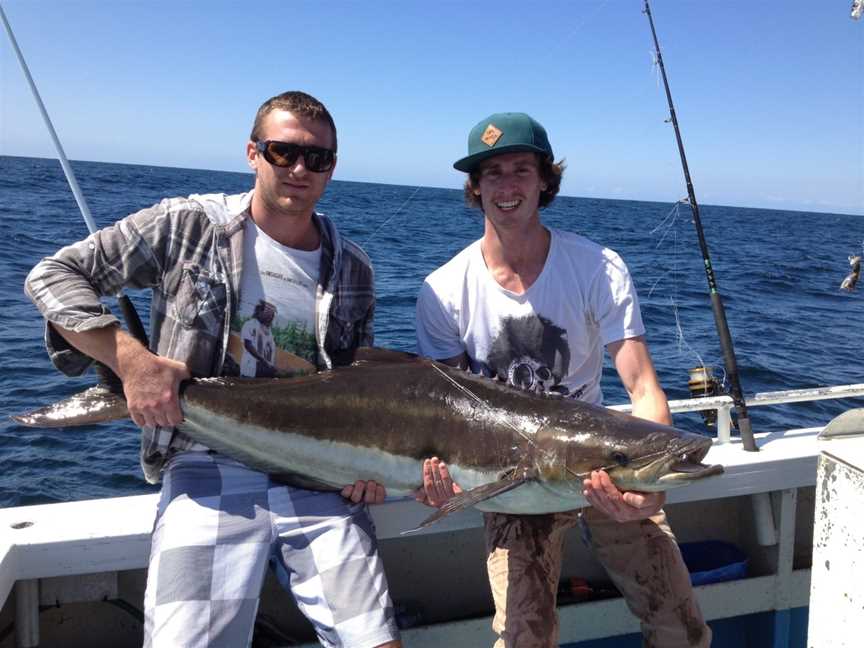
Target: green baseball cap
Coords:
[[504, 133]]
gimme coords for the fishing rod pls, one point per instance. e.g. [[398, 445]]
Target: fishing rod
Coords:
[[716, 302], [133, 321]]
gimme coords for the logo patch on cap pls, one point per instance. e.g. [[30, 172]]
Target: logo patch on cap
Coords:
[[491, 135]]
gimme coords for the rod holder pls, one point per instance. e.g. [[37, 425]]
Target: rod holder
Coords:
[[763, 517]]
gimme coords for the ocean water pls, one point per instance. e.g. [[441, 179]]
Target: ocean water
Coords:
[[778, 272]]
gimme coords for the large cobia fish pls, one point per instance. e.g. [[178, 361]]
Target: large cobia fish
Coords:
[[512, 451]]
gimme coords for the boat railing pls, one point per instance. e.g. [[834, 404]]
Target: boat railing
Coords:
[[723, 405]]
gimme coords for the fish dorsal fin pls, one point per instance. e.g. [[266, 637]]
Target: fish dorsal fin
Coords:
[[849, 423], [108, 379], [387, 356]]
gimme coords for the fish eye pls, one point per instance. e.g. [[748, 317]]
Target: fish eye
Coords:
[[620, 458]]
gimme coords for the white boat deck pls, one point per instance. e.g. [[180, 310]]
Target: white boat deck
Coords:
[[111, 535]]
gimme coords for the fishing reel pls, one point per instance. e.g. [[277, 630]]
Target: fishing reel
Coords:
[[703, 384]]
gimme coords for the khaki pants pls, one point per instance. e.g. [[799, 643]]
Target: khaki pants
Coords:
[[642, 559]]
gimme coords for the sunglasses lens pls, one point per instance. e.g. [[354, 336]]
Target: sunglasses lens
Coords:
[[318, 159], [283, 154]]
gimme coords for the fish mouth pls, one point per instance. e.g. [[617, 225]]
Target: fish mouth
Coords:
[[685, 464], [683, 471], [673, 467]]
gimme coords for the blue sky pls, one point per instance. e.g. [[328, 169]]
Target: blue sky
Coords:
[[770, 95]]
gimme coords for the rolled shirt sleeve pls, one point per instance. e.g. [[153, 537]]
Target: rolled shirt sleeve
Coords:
[[67, 287]]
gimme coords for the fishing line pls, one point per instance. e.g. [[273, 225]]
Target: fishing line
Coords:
[[482, 402], [524, 435], [547, 454], [668, 222], [666, 226], [389, 218], [681, 340], [585, 20]]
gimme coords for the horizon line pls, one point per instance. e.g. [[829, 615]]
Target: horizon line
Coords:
[[562, 195]]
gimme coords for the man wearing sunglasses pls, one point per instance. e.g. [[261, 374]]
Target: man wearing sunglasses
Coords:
[[211, 261], [534, 307]]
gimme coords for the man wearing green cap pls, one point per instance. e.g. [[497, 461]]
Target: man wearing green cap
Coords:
[[534, 307]]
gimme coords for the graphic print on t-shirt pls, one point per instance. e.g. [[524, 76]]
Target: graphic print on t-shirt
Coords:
[[258, 354], [273, 331], [530, 353], [264, 350]]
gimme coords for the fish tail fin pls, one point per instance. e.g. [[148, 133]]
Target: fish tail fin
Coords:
[[98, 404]]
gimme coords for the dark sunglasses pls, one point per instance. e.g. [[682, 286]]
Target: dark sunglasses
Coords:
[[284, 154]]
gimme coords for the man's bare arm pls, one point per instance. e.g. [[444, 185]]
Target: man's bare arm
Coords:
[[634, 365], [633, 362], [150, 382]]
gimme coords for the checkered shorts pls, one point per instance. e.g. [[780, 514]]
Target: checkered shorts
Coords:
[[218, 525]]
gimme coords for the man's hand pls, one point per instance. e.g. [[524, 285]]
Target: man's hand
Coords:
[[602, 494], [151, 384], [370, 492], [438, 486]]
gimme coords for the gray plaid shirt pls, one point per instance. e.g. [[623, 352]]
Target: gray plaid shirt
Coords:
[[189, 251]]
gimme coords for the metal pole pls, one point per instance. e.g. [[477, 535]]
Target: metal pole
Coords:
[[27, 614], [64, 162], [716, 301], [133, 321]]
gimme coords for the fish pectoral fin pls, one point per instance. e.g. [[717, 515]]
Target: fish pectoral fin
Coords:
[[470, 498]]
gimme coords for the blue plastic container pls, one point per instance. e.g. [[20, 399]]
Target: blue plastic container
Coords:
[[713, 561]]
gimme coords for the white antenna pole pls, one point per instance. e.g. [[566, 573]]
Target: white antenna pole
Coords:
[[133, 321], [67, 168]]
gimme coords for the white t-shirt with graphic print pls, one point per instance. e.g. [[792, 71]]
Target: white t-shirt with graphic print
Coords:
[[549, 339], [280, 278]]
